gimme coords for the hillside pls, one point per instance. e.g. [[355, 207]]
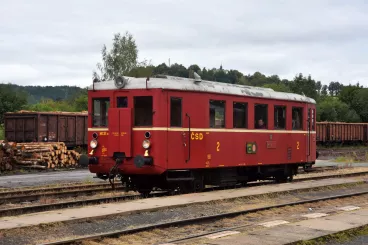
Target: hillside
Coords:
[[56, 93]]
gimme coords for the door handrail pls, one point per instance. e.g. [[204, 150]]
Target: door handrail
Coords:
[[187, 160]]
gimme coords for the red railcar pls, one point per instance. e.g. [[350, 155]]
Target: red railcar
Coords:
[[171, 132]]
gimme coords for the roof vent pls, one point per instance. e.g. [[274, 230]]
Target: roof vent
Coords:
[[197, 78], [120, 82]]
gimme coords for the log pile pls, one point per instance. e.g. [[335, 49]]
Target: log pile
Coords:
[[6, 156], [49, 155]]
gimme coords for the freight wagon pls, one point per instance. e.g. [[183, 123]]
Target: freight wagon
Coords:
[[329, 133], [27, 126]]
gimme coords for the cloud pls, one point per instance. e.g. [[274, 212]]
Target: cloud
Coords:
[[52, 43]]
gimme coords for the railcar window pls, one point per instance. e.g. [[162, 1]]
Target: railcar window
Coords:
[[175, 112], [297, 118], [121, 102], [280, 117], [240, 115], [217, 114], [100, 108], [143, 110], [261, 116], [313, 120]]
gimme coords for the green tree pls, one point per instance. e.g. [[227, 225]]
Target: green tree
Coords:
[[348, 93], [304, 85], [335, 88], [324, 90], [332, 109], [10, 100], [81, 103], [319, 87], [178, 70], [359, 103], [280, 87], [121, 59]]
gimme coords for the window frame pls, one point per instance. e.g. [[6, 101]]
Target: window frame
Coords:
[[301, 119], [274, 116], [313, 119], [117, 101], [135, 112], [245, 114], [104, 100], [266, 122], [181, 111], [224, 116]]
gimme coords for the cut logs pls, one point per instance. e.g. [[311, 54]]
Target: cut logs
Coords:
[[37, 156]]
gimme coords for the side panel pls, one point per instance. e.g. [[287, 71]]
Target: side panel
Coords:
[[21, 129], [62, 129], [42, 127], [225, 147], [70, 129], [80, 130], [52, 128], [9, 129]]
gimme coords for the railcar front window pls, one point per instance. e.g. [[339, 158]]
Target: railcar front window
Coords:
[[297, 118], [261, 116], [217, 114], [175, 112], [121, 102], [100, 112], [143, 111], [280, 117], [240, 115]]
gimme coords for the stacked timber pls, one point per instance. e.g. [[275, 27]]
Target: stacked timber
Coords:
[[6, 156], [53, 155]]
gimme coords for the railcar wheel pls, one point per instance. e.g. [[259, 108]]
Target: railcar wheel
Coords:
[[243, 183], [144, 192], [198, 185], [284, 178]]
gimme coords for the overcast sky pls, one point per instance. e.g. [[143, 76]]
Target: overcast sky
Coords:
[[59, 42]]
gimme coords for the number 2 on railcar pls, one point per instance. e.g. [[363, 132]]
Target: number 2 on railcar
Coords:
[[177, 133]]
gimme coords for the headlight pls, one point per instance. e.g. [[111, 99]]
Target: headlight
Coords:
[[146, 144], [93, 144]]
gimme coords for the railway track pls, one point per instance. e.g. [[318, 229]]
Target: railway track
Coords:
[[200, 221], [21, 197], [33, 194], [100, 200]]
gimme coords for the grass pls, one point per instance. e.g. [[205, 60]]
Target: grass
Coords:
[[352, 157], [340, 237]]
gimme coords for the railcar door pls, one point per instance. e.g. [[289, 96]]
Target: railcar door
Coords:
[[178, 135], [311, 136]]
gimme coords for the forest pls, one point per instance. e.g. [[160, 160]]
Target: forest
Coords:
[[335, 101]]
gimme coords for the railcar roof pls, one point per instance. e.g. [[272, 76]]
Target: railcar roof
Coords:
[[187, 84]]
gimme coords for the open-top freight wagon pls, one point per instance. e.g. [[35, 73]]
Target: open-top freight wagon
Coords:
[[332, 133], [28, 126]]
